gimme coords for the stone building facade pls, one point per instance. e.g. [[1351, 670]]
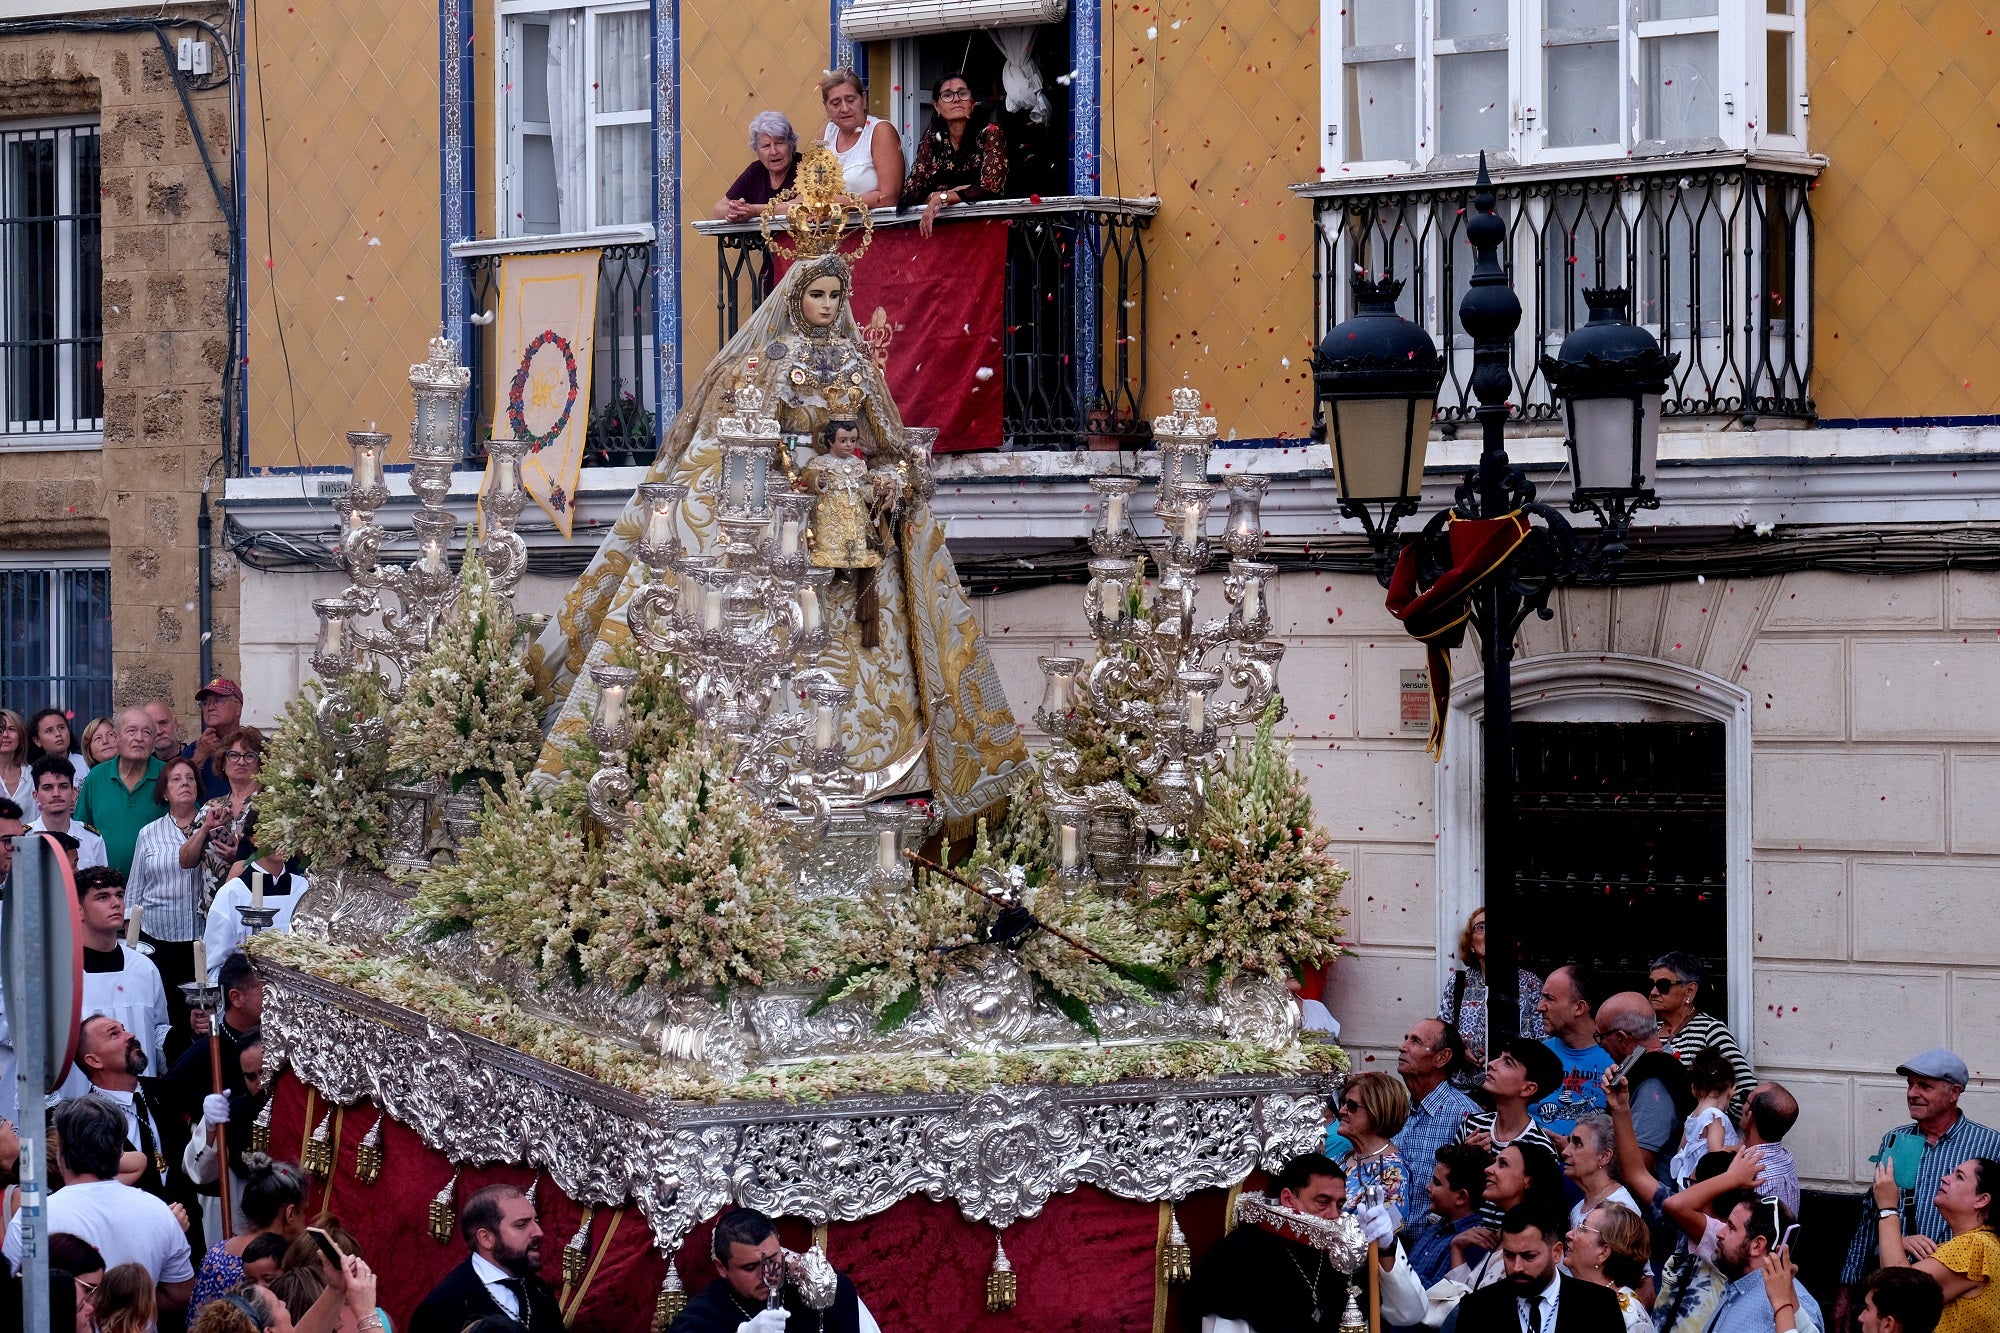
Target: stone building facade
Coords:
[[122, 494]]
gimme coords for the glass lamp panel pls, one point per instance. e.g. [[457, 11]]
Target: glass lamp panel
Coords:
[[1602, 431], [1377, 458]]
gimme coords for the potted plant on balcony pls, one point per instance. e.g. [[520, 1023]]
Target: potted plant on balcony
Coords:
[[620, 433]]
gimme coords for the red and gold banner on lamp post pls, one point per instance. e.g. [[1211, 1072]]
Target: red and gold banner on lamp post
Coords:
[[546, 340]]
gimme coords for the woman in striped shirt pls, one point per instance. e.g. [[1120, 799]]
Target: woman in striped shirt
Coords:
[[1684, 1033], [166, 890]]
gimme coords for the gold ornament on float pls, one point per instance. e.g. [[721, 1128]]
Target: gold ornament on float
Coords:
[[368, 1153], [442, 1214], [1003, 1288], [816, 209], [1176, 1258], [319, 1148], [673, 1299]]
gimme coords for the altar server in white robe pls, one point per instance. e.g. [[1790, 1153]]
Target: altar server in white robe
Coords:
[[265, 882], [118, 980]]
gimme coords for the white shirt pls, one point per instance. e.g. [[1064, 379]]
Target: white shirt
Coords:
[[23, 794], [125, 1224], [226, 931], [1549, 1296], [89, 847], [135, 997], [496, 1279], [1619, 1196], [857, 164]]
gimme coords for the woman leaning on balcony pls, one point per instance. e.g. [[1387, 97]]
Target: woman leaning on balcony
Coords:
[[962, 157], [776, 145], [869, 149]]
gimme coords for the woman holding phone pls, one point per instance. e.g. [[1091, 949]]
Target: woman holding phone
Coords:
[[1967, 1266]]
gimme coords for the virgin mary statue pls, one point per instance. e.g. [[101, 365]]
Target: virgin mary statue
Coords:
[[929, 713]]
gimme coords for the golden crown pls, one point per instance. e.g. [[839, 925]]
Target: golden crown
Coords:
[[816, 208], [844, 400]]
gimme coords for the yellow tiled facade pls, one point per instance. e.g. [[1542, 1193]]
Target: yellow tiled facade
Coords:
[[1212, 107], [1906, 107]]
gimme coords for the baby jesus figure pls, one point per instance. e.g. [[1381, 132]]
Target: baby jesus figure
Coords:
[[847, 529]]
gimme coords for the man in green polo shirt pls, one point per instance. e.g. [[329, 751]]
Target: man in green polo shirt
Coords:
[[118, 798]]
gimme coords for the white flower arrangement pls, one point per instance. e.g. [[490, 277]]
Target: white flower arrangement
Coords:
[[331, 809]]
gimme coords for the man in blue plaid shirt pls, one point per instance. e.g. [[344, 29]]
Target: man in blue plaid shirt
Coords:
[[1934, 1081], [1432, 1051]]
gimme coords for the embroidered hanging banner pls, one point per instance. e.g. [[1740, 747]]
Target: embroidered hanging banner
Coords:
[[546, 336]]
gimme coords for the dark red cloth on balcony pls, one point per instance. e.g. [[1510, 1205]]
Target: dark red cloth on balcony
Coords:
[[933, 311], [1085, 1265]]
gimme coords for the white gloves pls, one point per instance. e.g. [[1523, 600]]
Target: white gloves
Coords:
[[1378, 1223], [767, 1321], [215, 1109]]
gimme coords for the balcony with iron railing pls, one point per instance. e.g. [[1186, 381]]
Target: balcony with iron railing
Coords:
[[622, 428], [1073, 362], [1716, 250]]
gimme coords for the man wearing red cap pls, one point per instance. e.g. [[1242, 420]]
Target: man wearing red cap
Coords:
[[221, 703]]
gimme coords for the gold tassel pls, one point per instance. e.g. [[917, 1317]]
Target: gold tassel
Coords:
[[673, 1299], [1002, 1287], [260, 1128], [576, 1254], [319, 1148], [443, 1215], [1176, 1259], [368, 1153]]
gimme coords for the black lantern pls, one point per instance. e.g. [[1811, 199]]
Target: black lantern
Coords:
[[1611, 376], [1378, 375]]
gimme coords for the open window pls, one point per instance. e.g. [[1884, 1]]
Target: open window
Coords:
[[576, 91]]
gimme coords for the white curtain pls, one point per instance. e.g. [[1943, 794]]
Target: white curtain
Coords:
[[569, 117], [624, 108], [1018, 74]]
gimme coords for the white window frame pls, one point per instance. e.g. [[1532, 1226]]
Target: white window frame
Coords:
[[1740, 27], [24, 436], [507, 96]]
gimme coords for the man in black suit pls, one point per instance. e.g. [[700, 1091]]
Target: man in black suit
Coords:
[[749, 1262], [500, 1276], [113, 1061], [1535, 1296]]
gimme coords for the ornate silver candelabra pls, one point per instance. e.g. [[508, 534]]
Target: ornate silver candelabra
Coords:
[[384, 620], [1159, 666], [745, 628]]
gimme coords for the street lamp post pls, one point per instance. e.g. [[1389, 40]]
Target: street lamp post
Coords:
[[1611, 376]]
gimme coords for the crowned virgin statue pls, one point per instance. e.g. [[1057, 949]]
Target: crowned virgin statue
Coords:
[[929, 714]]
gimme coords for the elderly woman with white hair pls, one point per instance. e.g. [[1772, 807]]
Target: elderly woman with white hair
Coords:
[[776, 144]]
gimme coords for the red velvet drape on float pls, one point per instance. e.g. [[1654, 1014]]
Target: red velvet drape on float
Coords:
[[932, 312], [1087, 1264]]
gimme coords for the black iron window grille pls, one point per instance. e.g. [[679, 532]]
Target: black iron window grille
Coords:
[[55, 640], [1073, 352], [51, 317], [623, 427], [1719, 259]]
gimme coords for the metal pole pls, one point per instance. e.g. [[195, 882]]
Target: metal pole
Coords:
[[1491, 312], [27, 896]]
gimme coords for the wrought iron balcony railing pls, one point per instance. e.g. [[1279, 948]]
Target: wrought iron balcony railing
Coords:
[[1717, 253], [622, 426], [1074, 353]]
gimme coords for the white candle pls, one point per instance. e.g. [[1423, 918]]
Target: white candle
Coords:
[[1251, 598], [659, 526], [1191, 523], [610, 704], [256, 889], [1111, 602], [788, 537], [367, 466], [809, 608], [824, 728], [711, 608], [201, 962], [329, 636], [433, 556], [885, 849], [1114, 514], [506, 478], [1069, 850], [132, 919], [1195, 714]]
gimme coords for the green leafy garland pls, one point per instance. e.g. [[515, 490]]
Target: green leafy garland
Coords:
[[328, 808]]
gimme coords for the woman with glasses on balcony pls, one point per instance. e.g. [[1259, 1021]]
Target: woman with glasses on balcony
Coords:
[[962, 156], [216, 843], [869, 149], [1684, 1033], [776, 145]]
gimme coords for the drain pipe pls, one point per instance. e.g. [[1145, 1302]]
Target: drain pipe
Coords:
[[204, 585]]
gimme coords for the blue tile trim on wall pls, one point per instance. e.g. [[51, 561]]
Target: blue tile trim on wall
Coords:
[[667, 330], [455, 182]]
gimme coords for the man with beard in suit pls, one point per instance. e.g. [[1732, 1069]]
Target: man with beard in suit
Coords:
[[1536, 1296], [500, 1276]]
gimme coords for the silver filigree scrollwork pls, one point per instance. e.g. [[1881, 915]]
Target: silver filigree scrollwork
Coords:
[[1005, 1153]]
